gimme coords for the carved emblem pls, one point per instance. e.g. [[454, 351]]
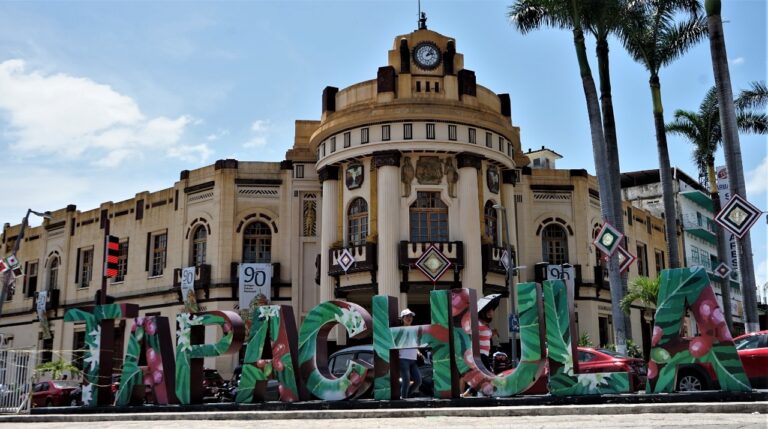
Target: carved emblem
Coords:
[[406, 176], [492, 178], [354, 176], [429, 170]]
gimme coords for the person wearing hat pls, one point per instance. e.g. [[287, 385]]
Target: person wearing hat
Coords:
[[486, 308], [409, 368]]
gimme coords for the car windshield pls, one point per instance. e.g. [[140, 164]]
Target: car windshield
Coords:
[[751, 342], [611, 353], [66, 384]]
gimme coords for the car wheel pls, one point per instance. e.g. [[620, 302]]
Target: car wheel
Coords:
[[689, 382]]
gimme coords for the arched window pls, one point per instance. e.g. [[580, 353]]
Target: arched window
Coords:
[[199, 244], [491, 222], [429, 218], [598, 254], [554, 244], [53, 274], [257, 243], [357, 222]]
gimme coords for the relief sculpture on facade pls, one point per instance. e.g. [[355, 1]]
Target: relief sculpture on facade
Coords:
[[406, 176], [429, 170], [451, 176]]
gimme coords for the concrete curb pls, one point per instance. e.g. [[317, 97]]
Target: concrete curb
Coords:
[[504, 411]]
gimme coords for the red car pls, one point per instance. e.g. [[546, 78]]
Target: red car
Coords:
[[753, 352], [600, 360], [54, 393]]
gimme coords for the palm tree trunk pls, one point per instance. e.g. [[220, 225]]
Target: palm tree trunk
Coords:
[[606, 194], [612, 154], [665, 173], [722, 245], [732, 151]]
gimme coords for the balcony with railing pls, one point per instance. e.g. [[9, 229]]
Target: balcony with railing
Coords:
[[411, 251], [364, 260], [701, 227]]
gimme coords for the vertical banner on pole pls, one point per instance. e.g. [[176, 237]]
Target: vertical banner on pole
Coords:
[[723, 187], [42, 314], [188, 289], [255, 285]]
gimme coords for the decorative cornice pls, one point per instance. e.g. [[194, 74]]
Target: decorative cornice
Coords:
[[386, 158], [200, 187], [469, 159], [225, 163], [329, 172], [258, 182]]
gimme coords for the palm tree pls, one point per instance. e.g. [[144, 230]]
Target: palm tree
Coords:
[[653, 37], [753, 98], [732, 150], [643, 289], [57, 368], [529, 15]]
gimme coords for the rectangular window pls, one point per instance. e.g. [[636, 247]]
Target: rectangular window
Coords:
[[694, 255], [31, 278], [385, 133], [86, 267], [452, 132], [699, 220], [660, 264], [642, 260], [489, 140], [347, 139], [78, 350], [364, 135], [501, 144], [427, 83], [333, 144], [431, 131], [648, 224], [122, 261], [437, 86], [322, 149], [299, 171], [472, 136], [418, 86], [45, 347], [509, 149], [159, 252], [629, 215], [407, 131]]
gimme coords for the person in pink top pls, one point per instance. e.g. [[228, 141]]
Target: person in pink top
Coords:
[[486, 309]]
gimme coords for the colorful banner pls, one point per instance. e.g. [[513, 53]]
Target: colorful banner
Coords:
[[42, 314], [188, 289], [723, 187], [255, 285]]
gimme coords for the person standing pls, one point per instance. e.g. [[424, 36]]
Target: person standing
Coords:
[[409, 368]]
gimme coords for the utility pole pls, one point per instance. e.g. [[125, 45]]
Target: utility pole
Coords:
[[510, 270]]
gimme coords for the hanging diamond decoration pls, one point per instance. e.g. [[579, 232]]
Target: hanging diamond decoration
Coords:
[[505, 260], [625, 259], [433, 263], [346, 260], [608, 239], [738, 215], [722, 270]]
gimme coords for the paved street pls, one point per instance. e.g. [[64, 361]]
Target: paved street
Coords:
[[635, 421]]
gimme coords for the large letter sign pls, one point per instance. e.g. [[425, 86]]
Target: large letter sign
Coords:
[[99, 338], [190, 353], [277, 323], [679, 289], [313, 355], [564, 376], [159, 374], [467, 350]]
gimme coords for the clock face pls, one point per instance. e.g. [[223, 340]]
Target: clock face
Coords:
[[426, 55]]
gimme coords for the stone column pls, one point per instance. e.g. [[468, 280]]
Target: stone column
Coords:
[[508, 201], [469, 214], [388, 220], [329, 177]]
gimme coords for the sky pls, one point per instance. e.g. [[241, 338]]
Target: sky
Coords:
[[102, 100]]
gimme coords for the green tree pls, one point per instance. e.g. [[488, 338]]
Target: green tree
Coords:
[[57, 368], [732, 151], [653, 37], [643, 289], [574, 15]]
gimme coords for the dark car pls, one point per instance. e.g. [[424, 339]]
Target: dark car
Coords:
[[752, 349], [55, 393], [212, 382], [338, 361], [228, 391]]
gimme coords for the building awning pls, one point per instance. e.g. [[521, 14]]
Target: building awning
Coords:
[[703, 234], [700, 199]]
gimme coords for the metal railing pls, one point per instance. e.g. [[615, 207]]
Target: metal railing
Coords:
[[16, 370]]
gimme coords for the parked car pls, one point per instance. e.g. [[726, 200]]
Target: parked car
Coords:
[[54, 393], [212, 382], [752, 349], [599, 360], [228, 391], [337, 364]]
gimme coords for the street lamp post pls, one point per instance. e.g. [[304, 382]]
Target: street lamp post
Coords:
[[510, 270], [8, 275]]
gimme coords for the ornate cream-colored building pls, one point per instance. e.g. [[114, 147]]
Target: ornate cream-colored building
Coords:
[[405, 170]]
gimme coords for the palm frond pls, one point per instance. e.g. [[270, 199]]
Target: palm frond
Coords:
[[753, 123], [754, 98], [529, 15], [676, 40], [643, 289]]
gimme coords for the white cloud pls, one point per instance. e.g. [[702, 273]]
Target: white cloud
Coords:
[[737, 61], [757, 179], [260, 131], [75, 117], [217, 135], [200, 152]]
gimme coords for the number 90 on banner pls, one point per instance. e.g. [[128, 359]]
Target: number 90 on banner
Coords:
[[255, 285]]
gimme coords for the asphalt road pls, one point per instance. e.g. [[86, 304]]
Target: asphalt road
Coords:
[[625, 421]]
